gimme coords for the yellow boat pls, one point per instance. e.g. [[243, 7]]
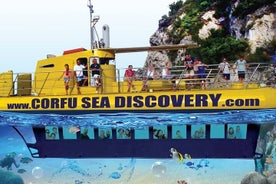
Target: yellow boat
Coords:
[[43, 91]]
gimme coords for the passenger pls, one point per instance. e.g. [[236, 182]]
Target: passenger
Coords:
[[78, 72], [224, 68], [54, 134], [84, 134], [95, 75], [129, 77], [231, 133], [47, 134], [201, 73], [189, 69], [151, 72], [121, 133], [241, 66], [201, 133], [107, 134], [66, 77], [178, 135], [102, 134], [166, 74], [150, 75], [196, 67], [238, 134], [196, 135], [127, 133], [272, 58], [159, 134]]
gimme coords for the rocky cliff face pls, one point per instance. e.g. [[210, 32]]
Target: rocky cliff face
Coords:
[[259, 28]]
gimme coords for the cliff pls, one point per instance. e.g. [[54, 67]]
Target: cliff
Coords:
[[225, 27]]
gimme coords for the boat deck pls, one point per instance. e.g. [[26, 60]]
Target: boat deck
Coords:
[[258, 75]]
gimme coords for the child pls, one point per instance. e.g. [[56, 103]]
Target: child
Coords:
[[66, 77]]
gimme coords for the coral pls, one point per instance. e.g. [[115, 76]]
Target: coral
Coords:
[[10, 178]]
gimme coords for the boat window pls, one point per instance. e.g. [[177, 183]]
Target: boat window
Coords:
[[105, 133], [122, 133], [87, 133], [141, 133], [70, 132], [51, 132], [47, 66], [179, 132], [217, 131], [160, 132], [236, 131], [198, 132]]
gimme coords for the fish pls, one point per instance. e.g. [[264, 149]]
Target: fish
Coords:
[[115, 175], [189, 164], [176, 155], [73, 129], [21, 171], [26, 160], [187, 156]]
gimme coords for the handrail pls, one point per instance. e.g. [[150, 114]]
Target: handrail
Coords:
[[258, 73], [43, 84]]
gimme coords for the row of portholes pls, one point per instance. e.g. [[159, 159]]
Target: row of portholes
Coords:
[[217, 131]]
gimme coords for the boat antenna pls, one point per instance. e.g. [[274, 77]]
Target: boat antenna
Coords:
[[93, 21]]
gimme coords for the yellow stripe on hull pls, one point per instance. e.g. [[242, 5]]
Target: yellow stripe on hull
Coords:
[[204, 100]]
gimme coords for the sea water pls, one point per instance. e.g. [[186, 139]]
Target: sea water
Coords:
[[28, 170]]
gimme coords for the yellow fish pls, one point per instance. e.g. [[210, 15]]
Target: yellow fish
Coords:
[[176, 155]]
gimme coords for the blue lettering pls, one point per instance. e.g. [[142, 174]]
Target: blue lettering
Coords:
[[95, 102], [201, 100], [129, 101], [35, 103], [164, 101], [120, 101], [72, 103], [85, 102], [149, 101], [229, 102], [45, 103], [177, 100], [215, 99], [252, 102], [239, 102], [138, 101], [188, 100], [105, 102], [54, 103]]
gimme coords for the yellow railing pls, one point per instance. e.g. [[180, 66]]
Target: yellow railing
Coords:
[[49, 83]]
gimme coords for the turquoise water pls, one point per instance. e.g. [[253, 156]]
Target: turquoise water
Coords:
[[122, 170]]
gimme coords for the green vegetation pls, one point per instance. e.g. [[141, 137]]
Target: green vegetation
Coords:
[[221, 8], [219, 44], [246, 7], [185, 19], [174, 7]]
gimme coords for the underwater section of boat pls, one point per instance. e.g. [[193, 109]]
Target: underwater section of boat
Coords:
[[204, 141]]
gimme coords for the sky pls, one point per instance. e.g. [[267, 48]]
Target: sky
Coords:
[[31, 29]]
